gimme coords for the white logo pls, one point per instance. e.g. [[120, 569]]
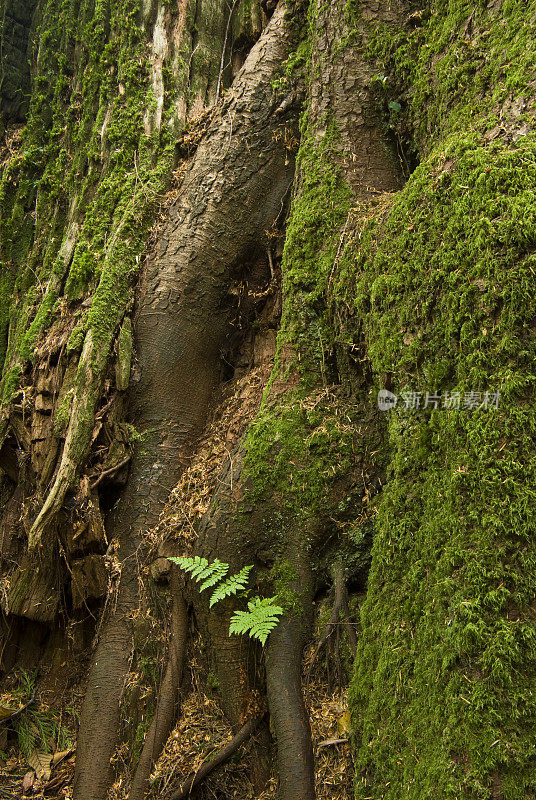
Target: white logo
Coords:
[[386, 400]]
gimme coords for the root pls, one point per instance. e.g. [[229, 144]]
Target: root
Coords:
[[287, 711], [166, 709], [100, 719], [181, 323], [111, 471], [223, 755], [339, 616]]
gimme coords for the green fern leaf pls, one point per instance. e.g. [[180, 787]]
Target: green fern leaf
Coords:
[[260, 619], [240, 622], [193, 565], [201, 570], [219, 571], [233, 584]]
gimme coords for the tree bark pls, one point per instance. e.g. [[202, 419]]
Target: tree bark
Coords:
[[232, 194], [289, 717], [167, 705]]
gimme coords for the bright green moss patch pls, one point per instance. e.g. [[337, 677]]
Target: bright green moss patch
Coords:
[[317, 218], [441, 287], [302, 441], [445, 285], [298, 450], [458, 64], [443, 698]]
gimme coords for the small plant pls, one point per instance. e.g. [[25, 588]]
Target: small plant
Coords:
[[262, 615], [38, 729], [233, 585]]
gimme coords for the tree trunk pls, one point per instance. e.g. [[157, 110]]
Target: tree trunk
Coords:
[[231, 196], [170, 270]]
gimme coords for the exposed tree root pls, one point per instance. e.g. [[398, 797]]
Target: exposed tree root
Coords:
[[215, 761], [110, 471], [167, 705], [339, 617], [230, 197], [288, 715], [101, 709]]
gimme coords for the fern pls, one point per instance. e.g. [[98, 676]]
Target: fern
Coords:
[[201, 570], [194, 566], [231, 586], [39, 728], [220, 571], [260, 619], [262, 615]]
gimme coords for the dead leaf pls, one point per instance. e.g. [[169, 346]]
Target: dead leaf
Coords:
[[6, 713], [61, 755], [28, 781], [42, 764], [344, 722], [329, 742]]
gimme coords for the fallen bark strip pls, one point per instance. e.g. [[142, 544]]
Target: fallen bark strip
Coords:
[[195, 778]]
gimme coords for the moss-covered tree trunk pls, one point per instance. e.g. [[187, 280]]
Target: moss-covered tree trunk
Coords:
[[176, 253], [442, 692]]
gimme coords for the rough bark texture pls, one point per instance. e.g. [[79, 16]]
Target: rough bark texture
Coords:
[[228, 200], [167, 706], [15, 42], [398, 255], [341, 120], [289, 717]]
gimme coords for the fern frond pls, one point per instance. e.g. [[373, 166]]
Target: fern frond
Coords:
[[260, 619], [193, 565], [219, 571], [233, 584], [201, 570]]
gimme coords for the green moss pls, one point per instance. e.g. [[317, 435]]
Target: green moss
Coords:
[[297, 450], [84, 157], [291, 446], [458, 64], [442, 286], [76, 339], [65, 399], [441, 289]]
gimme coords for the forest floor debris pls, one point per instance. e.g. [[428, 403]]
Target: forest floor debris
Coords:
[[202, 730]]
